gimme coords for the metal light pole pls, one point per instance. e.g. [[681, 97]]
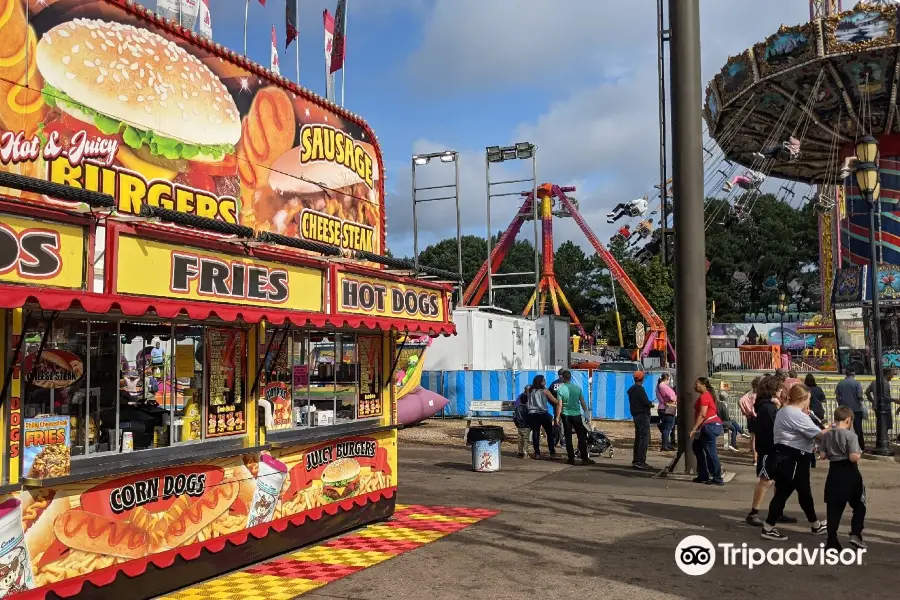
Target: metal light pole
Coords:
[[690, 234], [419, 160], [868, 179], [493, 155]]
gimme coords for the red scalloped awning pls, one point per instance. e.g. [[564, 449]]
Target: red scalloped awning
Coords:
[[13, 296], [103, 577]]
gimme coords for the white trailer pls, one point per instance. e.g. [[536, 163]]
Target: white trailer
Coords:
[[491, 341]]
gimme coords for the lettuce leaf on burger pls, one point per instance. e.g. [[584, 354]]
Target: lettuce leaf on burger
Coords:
[[174, 118]]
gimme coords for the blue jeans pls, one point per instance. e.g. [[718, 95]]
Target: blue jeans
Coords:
[[666, 429], [736, 430], [704, 446]]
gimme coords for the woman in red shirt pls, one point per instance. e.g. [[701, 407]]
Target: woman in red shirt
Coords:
[[707, 428]]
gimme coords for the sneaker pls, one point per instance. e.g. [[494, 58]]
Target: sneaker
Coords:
[[753, 519], [786, 519], [857, 541], [773, 534], [716, 482], [745, 435], [698, 480], [730, 448], [588, 461], [645, 467], [833, 545], [820, 529]]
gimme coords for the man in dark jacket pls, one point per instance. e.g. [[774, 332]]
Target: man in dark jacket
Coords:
[[766, 408], [640, 406]]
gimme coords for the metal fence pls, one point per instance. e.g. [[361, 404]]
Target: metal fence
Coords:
[[739, 388]]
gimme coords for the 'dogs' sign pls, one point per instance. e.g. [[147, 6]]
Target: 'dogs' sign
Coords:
[[41, 253], [382, 298], [119, 105]]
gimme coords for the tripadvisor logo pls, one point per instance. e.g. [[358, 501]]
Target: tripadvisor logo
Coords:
[[696, 555]]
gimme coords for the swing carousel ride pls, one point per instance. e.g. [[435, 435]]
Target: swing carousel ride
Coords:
[[792, 107]]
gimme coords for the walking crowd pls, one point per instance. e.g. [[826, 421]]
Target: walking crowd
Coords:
[[786, 425]]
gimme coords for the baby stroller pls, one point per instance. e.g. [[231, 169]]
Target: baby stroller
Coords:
[[597, 442]]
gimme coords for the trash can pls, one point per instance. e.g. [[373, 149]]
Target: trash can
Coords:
[[485, 441]]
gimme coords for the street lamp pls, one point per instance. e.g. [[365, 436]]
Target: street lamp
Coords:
[[868, 180], [782, 308]]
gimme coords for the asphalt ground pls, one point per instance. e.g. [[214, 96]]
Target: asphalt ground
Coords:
[[607, 531]]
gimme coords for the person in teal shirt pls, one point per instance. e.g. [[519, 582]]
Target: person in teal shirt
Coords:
[[573, 403]]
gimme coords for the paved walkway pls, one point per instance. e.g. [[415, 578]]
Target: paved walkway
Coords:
[[608, 532]]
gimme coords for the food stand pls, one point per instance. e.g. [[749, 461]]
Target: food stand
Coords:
[[198, 346]]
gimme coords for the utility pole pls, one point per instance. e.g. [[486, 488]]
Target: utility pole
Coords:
[[690, 238]]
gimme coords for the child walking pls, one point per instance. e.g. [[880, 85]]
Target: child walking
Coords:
[[844, 484], [520, 419]]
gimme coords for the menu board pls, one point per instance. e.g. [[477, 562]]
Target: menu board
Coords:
[[225, 382], [369, 404]]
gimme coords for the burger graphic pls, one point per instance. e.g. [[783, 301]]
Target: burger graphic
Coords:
[[340, 479], [173, 118]]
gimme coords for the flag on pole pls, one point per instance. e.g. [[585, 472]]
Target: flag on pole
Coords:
[[290, 22], [274, 67], [262, 2], [168, 9], [329, 41], [189, 10], [338, 49], [205, 19]]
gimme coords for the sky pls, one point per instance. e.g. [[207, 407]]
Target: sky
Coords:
[[576, 77]]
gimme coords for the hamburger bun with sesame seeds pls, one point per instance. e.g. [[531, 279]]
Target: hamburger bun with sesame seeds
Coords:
[[174, 118]]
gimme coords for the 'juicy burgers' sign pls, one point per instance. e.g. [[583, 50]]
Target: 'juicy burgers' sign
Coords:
[[127, 108]]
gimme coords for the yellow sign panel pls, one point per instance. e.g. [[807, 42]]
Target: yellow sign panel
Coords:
[[41, 253], [152, 268], [382, 298]]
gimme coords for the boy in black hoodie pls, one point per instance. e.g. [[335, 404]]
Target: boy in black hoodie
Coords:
[[766, 407]]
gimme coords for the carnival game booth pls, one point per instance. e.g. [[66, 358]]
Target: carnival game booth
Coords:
[[198, 333]]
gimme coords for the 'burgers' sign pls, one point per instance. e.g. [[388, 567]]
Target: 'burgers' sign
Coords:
[[128, 108]]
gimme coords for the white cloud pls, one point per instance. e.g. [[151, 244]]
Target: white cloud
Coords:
[[605, 127]]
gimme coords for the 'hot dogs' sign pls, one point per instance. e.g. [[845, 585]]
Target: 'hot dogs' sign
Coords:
[[41, 253], [151, 268], [379, 297]]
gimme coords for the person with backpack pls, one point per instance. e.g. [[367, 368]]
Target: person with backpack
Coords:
[[520, 419], [539, 415]]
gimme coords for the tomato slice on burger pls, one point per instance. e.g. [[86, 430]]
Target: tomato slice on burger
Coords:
[[226, 167]]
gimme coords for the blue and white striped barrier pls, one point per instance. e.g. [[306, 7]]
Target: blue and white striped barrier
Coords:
[[606, 396]]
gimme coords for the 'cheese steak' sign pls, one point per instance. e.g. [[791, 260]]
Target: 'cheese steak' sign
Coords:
[[379, 297], [152, 268], [41, 253]]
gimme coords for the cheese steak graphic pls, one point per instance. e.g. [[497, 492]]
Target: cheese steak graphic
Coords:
[[117, 104]]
